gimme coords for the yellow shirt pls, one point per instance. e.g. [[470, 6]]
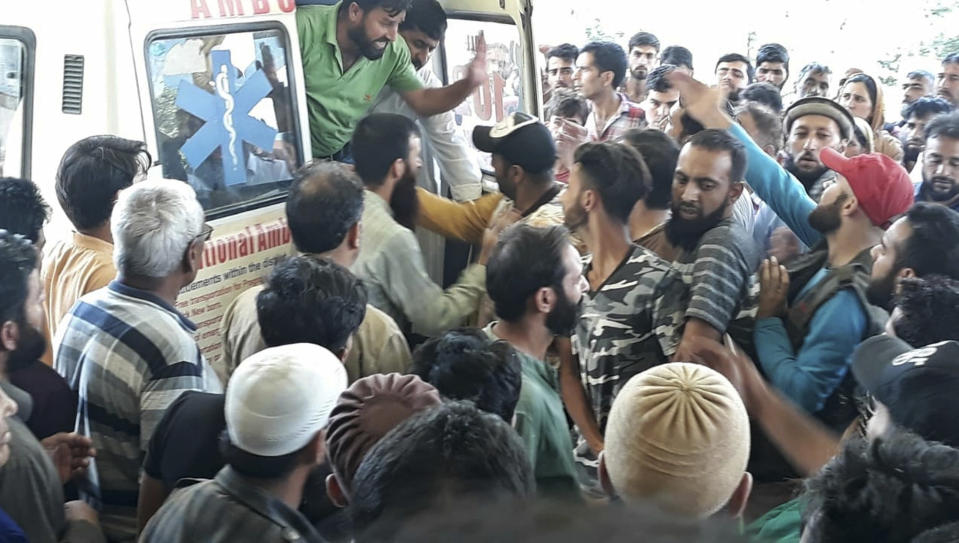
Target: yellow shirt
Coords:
[[74, 268]]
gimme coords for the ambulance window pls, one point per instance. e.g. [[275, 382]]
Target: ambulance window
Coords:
[[14, 105], [225, 115], [503, 94]]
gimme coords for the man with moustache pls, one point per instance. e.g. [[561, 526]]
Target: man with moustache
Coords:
[[387, 152], [812, 123], [940, 162], [350, 53], [717, 258], [947, 83], [536, 282], [423, 30], [916, 116], [643, 59], [629, 319], [660, 97]]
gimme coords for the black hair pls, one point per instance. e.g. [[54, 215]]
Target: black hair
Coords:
[[947, 533], [324, 202], [643, 38], [558, 521], [890, 489], [657, 80], [525, 260], [310, 300], [565, 51], [92, 172], [449, 452], [921, 74], [736, 57], [18, 259], [391, 7], [254, 465], [930, 310], [945, 125], [764, 93], [926, 106], [870, 84], [720, 140], [380, 140], [815, 68], [773, 52], [677, 55], [465, 364], [660, 153], [618, 173], [568, 103], [933, 247], [951, 58], [428, 17], [22, 209], [768, 123], [608, 57]]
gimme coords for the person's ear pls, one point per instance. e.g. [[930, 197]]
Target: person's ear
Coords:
[[604, 480], [398, 168], [905, 273], [545, 300], [353, 237], [735, 191], [737, 502], [335, 492], [850, 205], [770, 150], [607, 77], [193, 257], [588, 199], [842, 146], [9, 335], [516, 174], [355, 13]]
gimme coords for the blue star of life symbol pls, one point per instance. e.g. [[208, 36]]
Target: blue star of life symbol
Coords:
[[227, 115]]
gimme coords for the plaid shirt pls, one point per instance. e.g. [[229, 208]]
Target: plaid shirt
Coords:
[[129, 355], [227, 509], [630, 116]]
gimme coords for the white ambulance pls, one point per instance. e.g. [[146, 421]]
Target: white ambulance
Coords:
[[215, 89]]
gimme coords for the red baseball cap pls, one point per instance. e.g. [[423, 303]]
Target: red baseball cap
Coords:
[[881, 185]]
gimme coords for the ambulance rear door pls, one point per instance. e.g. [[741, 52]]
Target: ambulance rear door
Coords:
[[221, 91]]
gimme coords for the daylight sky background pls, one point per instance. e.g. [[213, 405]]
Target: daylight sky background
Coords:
[[840, 33]]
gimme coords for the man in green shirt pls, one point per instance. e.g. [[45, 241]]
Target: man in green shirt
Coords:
[[535, 280], [350, 53]]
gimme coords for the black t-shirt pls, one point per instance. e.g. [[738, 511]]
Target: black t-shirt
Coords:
[[185, 443], [54, 404]]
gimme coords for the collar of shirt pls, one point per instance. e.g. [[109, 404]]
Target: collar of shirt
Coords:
[[126, 290], [330, 37], [267, 506], [624, 108], [374, 199], [94, 244]]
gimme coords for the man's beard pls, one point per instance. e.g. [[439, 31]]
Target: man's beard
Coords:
[[561, 320], [640, 73], [825, 219], [928, 191], [880, 290], [575, 217], [358, 36], [404, 202], [910, 153], [686, 233], [30, 347], [807, 177]]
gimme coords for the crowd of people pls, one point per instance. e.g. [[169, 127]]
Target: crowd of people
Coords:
[[695, 312]]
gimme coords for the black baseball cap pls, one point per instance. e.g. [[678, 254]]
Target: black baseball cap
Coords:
[[521, 139], [919, 387]]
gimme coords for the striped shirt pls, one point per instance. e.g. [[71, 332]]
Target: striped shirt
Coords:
[[129, 355], [719, 274], [227, 509]]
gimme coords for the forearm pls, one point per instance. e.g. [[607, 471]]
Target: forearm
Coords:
[[435, 101], [432, 311], [152, 494], [574, 397], [807, 444]]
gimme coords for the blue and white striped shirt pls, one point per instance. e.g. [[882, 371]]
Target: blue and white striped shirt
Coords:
[[129, 355]]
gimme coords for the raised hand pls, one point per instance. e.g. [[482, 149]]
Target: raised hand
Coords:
[[774, 288]]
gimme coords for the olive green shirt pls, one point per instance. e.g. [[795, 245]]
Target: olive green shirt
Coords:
[[540, 421], [336, 100]]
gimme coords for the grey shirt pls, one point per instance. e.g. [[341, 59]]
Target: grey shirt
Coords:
[[227, 509], [30, 489], [391, 266]]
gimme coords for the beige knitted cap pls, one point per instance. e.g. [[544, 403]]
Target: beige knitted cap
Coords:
[[677, 437]]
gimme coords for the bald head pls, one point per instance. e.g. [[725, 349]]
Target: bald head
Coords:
[[324, 204]]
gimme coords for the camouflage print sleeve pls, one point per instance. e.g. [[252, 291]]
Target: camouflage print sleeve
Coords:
[[669, 312]]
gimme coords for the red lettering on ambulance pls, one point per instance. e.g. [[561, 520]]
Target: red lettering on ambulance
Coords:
[[198, 8]]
